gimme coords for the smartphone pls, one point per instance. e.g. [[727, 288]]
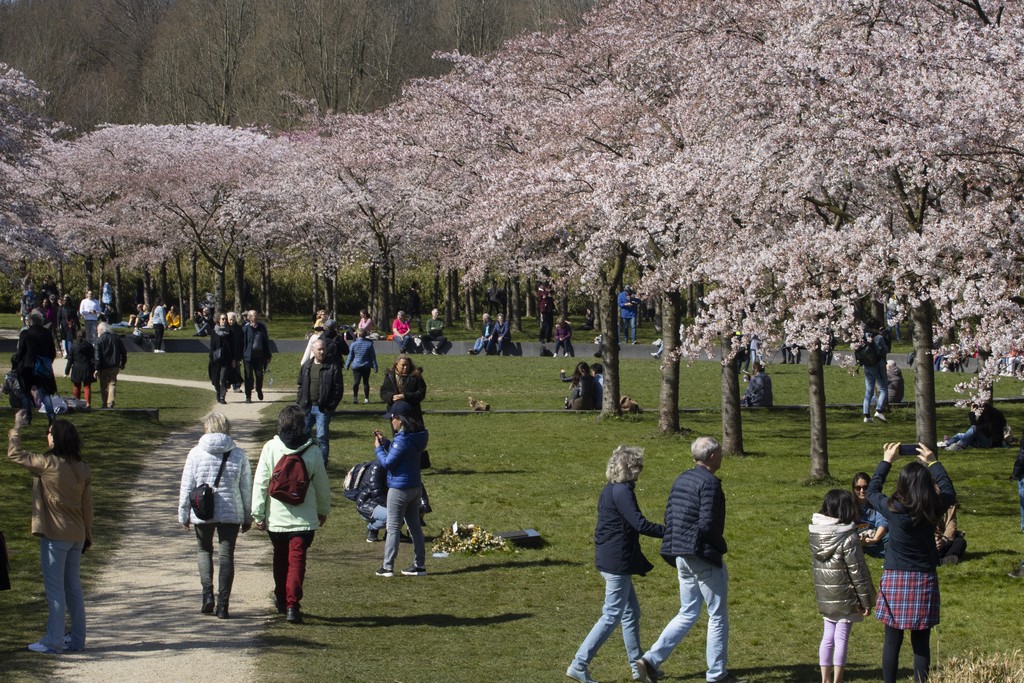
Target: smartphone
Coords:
[[908, 449]]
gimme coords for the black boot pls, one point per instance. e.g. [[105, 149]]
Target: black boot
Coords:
[[222, 610], [207, 601], [294, 616]]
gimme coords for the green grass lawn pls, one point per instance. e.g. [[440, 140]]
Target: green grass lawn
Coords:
[[519, 616]]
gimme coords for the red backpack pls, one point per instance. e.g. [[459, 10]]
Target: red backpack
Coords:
[[290, 479]]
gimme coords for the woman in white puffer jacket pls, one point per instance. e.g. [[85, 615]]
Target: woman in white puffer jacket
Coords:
[[231, 509], [842, 580]]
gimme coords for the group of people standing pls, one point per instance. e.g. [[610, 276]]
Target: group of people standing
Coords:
[[235, 347], [693, 542]]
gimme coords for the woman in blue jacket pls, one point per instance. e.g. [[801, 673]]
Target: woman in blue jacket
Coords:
[[618, 556], [401, 457]]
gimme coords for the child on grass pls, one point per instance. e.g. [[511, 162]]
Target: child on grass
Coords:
[[842, 580]]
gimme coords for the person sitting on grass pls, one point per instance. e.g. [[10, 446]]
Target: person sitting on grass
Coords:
[[871, 525], [949, 540], [484, 339], [988, 424], [759, 389], [582, 394], [173, 319]]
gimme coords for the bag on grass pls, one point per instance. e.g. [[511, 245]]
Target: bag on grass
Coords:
[[628, 405], [290, 479], [201, 497]]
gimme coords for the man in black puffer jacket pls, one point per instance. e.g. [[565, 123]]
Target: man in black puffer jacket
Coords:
[[372, 500], [321, 385], [694, 544]]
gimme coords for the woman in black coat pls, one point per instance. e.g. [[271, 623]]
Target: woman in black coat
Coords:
[[404, 382], [221, 357], [82, 368]]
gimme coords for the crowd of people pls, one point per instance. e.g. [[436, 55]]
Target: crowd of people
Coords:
[[913, 530]]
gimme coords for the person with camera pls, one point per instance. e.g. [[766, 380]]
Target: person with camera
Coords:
[[908, 594], [402, 457], [62, 518]]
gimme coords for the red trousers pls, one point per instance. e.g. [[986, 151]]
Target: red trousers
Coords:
[[289, 564]]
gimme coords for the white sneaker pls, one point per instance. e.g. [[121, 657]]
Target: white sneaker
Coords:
[[867, 419], [366, 400], [577, 675], [958, 446], [941, 444], [42, 649], [879, 416]]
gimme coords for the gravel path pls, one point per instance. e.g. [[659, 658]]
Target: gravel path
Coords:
[[143, 611]]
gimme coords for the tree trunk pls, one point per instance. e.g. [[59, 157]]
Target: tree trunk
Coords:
[[164, 294], [513, 295], [371, 295], [220, 283], [530, 293], [924, 374], [266, 283], [316, 291], [60, 276], [147, 286], [90, 276], [193, 285], [609, 285], [117, 290], [239, 272], [668, 401], [819, 428], [732, 423], [182, 308], [469, 315], [450, 304], [330, 302], [435, 302]]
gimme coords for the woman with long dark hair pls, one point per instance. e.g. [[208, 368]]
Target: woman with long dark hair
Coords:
[[908, 594], [62, 519], [404, 382]]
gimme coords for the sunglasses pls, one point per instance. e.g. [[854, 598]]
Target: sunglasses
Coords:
[[860, 488]]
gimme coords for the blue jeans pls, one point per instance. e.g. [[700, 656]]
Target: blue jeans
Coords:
[[378, 520], [44, 398], [620, 605], [1020, 493], [322, 421], [699, 581], [628, 326], [61, 562], [875, 378], [971, 438], [404, 504]]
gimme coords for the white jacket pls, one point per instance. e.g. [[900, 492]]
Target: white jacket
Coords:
[[232, 499]]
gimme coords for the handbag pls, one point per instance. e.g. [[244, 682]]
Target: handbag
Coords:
[[201, 497], [218, 353], [425, 459]]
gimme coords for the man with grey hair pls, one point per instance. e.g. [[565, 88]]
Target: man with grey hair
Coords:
[[321, 386], [33, 362], [694, 543], [111, 357]]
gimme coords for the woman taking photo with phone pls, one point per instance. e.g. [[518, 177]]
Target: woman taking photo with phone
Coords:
[[62, 519], [908, 594]]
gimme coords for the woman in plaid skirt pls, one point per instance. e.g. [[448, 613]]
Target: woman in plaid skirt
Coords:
[[908, 595]]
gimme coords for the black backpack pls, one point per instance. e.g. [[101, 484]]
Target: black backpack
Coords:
[[867, 353]]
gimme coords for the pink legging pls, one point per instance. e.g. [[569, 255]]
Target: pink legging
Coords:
[[832, 651]]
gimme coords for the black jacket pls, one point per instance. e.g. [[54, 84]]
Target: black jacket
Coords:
[[373, 490], [412, 386], [110, 352], [332, 386], [695, 518], [257, 343], [83, 363], [991, 423], [35, 341], [617, 536]]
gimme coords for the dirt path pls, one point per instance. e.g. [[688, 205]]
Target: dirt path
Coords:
[[143, 613]]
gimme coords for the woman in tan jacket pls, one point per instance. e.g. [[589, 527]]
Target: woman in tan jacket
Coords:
[[62, 519]]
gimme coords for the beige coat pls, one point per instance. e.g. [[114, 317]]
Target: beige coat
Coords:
[[61, 493]]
